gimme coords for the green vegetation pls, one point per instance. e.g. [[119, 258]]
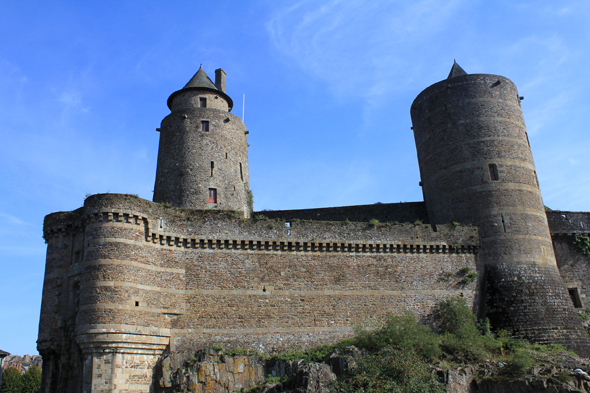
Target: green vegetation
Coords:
[[14, 382], [418, 222], [250, 197], [582, 245], [469, 275], [402, 351], [374, 222], [315, 354], [31, 380], [11, 381], [584, 315], [166, 205], [456, 224]]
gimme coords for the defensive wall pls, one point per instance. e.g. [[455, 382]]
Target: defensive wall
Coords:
[[132, 279], [382, 212], [574, 267]]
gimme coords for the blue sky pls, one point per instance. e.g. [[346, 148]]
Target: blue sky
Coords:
[[328, 85]]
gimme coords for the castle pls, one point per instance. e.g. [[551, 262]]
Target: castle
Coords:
[[128, 280]]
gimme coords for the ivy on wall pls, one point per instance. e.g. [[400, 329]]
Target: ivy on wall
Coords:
[[582, 245]]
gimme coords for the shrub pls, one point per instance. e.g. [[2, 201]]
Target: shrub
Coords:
[[389, 370], [582, 245], [401, 332], [518, 364], [374, 222], [460, 335]]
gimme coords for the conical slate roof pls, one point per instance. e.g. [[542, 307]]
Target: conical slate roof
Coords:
[[456, 71], [200, 79]]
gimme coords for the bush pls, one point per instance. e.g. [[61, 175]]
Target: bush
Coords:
[[401, 332], [389, 370], [518, 364], [460, 335]]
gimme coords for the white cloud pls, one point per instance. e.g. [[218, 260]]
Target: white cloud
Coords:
[[357, 46]]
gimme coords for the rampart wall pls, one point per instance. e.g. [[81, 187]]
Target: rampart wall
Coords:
[[130, 274], [574, 267], [383, 212]]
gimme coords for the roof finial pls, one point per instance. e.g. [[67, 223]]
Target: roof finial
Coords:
[[456, 70]]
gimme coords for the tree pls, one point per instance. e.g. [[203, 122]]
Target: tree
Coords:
[[11, 381], [31, 380]]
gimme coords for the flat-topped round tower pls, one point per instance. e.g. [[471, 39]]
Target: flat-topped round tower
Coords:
[[476, 167], [203, 153]]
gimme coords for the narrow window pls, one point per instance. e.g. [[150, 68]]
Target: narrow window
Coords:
[[241, 173], [212, 195], [503, 223], [493, 172], [205, 125], [226, 155], [212, 166], [203, 102], [136, 304], [575, 295]]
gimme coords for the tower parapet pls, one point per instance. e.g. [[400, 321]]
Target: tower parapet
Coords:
[[203, 153], [477, 167]]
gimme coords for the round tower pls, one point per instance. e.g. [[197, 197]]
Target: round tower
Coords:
[[203, 153], [476, 167]]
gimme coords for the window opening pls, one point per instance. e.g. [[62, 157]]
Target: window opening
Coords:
[[212, 195], [493, 172], [202, 102], [241, 173], [503, 223], [212, 166], [575, 295], [205, 126], [136, 304], [226, 155]]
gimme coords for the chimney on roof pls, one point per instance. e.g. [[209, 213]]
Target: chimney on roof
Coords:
[[220, 79]]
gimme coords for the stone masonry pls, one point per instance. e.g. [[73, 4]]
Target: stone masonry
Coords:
[[128, 280]]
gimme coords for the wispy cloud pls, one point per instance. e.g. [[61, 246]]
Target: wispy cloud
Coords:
[[358, 46]]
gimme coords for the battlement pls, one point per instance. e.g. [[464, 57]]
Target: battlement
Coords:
[[568, 223]]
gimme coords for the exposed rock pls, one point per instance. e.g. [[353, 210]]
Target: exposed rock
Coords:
[[214, 372]]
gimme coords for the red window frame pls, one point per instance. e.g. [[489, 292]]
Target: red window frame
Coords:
[[212, 195], [204, 125], [202, 102]]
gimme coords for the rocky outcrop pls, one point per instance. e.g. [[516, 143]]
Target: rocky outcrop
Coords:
[[214, 372]]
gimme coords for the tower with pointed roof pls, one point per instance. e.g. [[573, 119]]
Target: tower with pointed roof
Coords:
[[477, 167], [203, 152]]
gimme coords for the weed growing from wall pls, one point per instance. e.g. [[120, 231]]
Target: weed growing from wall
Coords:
[[582, 245]]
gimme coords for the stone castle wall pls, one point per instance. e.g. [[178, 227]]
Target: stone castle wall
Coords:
[[574, 267], [383, 212], [136, 278]]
